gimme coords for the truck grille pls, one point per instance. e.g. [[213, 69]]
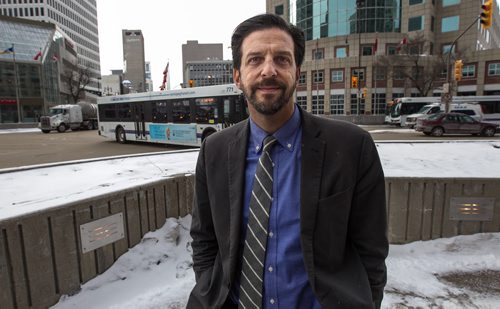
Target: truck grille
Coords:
[[45, 121]]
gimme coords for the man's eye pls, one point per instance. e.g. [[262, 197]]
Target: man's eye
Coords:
[[283, 60], [254, 60]]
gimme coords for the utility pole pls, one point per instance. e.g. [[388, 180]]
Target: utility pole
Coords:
[[359, 4], [446, 98]]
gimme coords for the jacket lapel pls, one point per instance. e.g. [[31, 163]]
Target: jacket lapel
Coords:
[[236, 158], [313, 152]]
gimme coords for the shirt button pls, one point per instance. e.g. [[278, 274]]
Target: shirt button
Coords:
[[272, 301], [270, 269], [289, 146], [271, 234]]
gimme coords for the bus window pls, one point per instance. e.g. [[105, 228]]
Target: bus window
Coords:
[[181, 111], [109, 111], [124, 112], [206, 110], [160, 112]]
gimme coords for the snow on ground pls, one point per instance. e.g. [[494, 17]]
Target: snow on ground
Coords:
[[459, 272], [157, 273]]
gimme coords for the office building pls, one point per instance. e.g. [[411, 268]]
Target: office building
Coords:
[[209, 73], [193, 51], [134, 65], [34, 60], [149, 81], [77, 19], [392, 49]]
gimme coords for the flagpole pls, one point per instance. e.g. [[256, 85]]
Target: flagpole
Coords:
[[16, 85]]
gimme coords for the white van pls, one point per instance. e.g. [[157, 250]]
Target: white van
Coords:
[[471, 109]]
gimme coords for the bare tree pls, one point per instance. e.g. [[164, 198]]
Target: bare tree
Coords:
[[76, 79], [416, 64]]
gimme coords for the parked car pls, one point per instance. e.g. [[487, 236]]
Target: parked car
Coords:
[[454, 123], [471, 109]]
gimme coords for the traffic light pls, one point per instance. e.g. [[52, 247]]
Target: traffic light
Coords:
[[458, 69], [354, 82], [365, 92], [487, 14], [191, 83]]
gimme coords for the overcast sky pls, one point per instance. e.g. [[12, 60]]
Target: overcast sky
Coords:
[[166, 25]]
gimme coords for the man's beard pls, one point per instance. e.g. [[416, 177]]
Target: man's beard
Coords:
[[268, 106]]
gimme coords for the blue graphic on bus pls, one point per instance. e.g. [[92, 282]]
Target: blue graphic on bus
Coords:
[[185, 133]]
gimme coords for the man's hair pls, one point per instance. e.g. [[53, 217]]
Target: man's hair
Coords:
[[263, 22]]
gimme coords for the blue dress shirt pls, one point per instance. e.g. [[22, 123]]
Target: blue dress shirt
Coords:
[[286, 283]]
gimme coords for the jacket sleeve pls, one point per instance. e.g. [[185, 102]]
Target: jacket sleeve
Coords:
[[204, 242], [368, 220]]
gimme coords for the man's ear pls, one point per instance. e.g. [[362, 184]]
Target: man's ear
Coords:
[[236, 77], [297, 75]]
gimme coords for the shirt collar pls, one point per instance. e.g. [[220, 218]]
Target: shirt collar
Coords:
[[285, 135]]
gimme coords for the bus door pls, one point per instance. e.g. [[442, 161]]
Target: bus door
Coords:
[[139, 121]]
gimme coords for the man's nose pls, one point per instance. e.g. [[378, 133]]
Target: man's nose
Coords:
[[269, 68]]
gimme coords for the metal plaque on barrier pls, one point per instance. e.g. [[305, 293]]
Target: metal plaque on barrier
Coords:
[[472, 208], [101, 232]]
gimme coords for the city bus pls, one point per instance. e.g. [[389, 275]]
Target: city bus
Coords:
[[178, 117], [490, 106]]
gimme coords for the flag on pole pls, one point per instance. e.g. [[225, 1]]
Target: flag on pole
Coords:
[[9, 50], [403, 41], [165, 74], [38, 55], [55, 58], [375, 46]]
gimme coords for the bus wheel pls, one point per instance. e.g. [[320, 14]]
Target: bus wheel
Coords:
[[46, 131], [207, 134], [120, 135]]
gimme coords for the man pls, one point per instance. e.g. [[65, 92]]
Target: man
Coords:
[[325, 241]]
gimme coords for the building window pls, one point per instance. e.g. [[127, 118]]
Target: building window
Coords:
[[302, 102], [493, 69], [379, 104], [450, 2], [416, 23], [318, 54], [302, 78], [446, 48], [318, 103], [451, 23], [337, 104], [355, 102], [341, 52], [391, 49], [380, 73], [367, 50], [337, 76], [279, 9], [469, 70], [360, 73], [433, 20], [317, 77], [412, 2], [398, 73]]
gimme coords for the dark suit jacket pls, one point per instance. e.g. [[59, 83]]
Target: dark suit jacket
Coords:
[[343, 215]]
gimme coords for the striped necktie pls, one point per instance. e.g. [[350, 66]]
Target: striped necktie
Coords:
[[254, 251]]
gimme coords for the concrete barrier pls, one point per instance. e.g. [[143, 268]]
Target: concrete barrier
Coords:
[[42, 256]]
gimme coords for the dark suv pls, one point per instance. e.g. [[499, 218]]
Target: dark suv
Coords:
[[454, 123]]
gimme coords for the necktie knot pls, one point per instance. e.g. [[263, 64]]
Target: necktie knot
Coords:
[[269, 141]]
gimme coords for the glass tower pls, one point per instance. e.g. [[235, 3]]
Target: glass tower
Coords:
[[330, 18]]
